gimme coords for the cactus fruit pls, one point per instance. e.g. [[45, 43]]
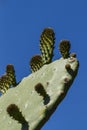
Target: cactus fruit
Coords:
[[40, 89], [64, 48], [11, 74], [47, 41], [14, 112], [8, 79], [36, 63], [30, 104], [4, 83]]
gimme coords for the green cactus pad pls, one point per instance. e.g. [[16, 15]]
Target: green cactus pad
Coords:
[[56, 81]]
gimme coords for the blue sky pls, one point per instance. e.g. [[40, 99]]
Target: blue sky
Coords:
[[21, 23]]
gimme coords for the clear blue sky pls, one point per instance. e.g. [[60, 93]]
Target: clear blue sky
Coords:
[[21, 23]]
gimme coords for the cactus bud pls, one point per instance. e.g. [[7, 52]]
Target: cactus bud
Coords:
[[36, 63], [14, 112], [10, 72], [68, 67], [47, 40], [64, 48], [40, 89]]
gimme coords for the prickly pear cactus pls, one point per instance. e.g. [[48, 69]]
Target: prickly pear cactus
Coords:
[[31, 103]]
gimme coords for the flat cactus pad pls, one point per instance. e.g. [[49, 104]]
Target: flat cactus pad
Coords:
[[38, 95]]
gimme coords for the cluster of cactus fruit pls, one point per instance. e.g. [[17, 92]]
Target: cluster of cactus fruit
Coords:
[[47, 40]]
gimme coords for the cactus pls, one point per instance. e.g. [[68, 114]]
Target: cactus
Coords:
[[47, 41], [36, 63], [30, 104], [8, 79], [64, 48]]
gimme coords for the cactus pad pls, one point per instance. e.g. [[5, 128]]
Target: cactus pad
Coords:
[[31, 103], [54, 80]]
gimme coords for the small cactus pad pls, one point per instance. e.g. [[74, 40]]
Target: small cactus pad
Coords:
[[4, 83], [36, 63], [39, 88], [10, 68], [10, 72], [28, 99], [64, 48], [47, 41], [15, 113], [8, 79]]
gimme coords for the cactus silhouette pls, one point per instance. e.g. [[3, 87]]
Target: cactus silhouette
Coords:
[[29, 105]]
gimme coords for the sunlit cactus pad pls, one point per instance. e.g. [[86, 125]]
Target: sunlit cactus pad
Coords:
[[36, 107]]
